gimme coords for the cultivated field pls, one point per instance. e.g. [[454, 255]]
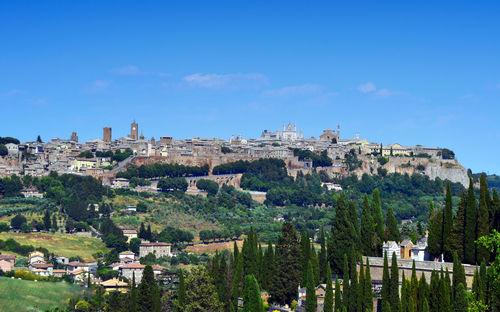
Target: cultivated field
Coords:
[[60, 244], [210, 248], [20, 296]]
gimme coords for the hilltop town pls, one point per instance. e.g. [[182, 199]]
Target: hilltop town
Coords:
[[104, 158]]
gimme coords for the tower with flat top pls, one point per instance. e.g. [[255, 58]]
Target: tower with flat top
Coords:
[[134, 131]]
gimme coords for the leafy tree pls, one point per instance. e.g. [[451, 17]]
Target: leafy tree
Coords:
[[252, 301], [3, 150], [209, 186], [17, 221], [39, 139], [201, 295]]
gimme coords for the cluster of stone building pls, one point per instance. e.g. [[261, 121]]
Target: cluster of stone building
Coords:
[[62, 155]]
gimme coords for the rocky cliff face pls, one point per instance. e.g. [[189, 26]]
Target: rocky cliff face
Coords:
[[433, 168]]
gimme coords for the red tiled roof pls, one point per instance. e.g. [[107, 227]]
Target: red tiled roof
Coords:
[[42, 265], [135, 265]]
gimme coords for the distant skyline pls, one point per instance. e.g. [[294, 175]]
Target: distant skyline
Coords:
[[396, 72]]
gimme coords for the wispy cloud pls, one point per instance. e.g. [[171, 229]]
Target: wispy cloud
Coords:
[[367, 87], [221, 81], [99, 86], [11, 92], [498, 85], [302, 90], [385, 93]]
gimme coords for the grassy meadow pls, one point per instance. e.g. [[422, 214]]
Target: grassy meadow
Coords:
[[22, 296]]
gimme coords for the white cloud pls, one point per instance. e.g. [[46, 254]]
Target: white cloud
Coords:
[[11, 92], [306, 89], [498, 85], [367, 87], [219, 81], [99, 85], [126, 70], [385, 93]]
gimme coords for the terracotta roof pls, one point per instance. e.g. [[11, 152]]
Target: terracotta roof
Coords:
[[135, 265], [114, 283], [77, 264], [112, 265], [158, 267], [58, 271], [7, 257], [76, 272], [129, 232], [42, 265]]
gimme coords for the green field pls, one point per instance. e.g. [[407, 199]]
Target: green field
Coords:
[[20, 296], [60, 244]]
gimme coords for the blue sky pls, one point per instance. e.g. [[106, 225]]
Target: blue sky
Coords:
[[395, 71]]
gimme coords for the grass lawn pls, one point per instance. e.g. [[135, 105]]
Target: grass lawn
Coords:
[[20, 296], [60, 244]]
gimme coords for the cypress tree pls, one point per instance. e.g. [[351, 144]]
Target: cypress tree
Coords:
[[346, 285], [425, 306], [368, 230], [483, 226], [458, 275], [268, 264], [460, 303], [434, 296], [444, 297], [237, 285], [448, 225], [311, 300], [342, 236], [354, 292], [252, 301], [367, 292], [133, 295], [423, 293], [483, 281], [435, 227], [315, 265], [495, 210], [392, 227], [361, 287], [323, 261], [394, 285], [149, 234], [289, 265], [458, 231], [386, 280], [414, 285], [235, 253], [476, 285], [338, 295], [353, 219], [260, 264], [305, 250], [378, 217], [221, 283], [148, 292], [386, 306], [181, 292], [470, 226], [249, 252], [328, 303]]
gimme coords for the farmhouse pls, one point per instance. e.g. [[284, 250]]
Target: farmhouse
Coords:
[[159, 249]]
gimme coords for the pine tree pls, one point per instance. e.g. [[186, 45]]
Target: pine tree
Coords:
[[448, 225], [149, 234], [315, 265], [328, 303], [236, 251], [289, 265], [323, 260], [148, 293], [423, 293], [46, 220], [338, 295], [386, 280], [444, 305], [378, 217], [311, 300], [181, 292], [268, 264], [495, 210], [460, 303], [470, 226], [354, 292], [425, 306], [386, 306], [392, 227], [361, 287], [368, 235], [483, 281], [346, 285], [394, 285], [458, 231], [404, 294], [483, 225], [476, 285], [252, 301], [201, 294], [434, 296]]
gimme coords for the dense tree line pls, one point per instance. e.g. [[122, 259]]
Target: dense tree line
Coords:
[[318, 160], [163, 170]]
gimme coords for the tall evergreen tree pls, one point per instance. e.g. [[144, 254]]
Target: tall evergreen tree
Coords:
[[368, 235], [361, 287], [414, 285], [483, 225], [181, 292], [237, 284], [423, 294], [353, 218], [434, 295], [311, 300], [386, 306], [425, 306], [458, 275], [444, 304], [268, 267], [404, 294], [476, 285], [323, 260], [483, 281], [148, 299], [236, 251], [448, 225], [249, 252], [435, 239], [346, 285], [495, 210], [458, 231], [470, 226], [305, 250], [342, 237], [378, 217], [394, 285], [392, 230], [315, 265], [367, 292], [289, 265], [354, 292], [46, 220], [338, 296], [386, 280], [328, 303], [460, 303], [252, 301], [201, 294], [133, 295]]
